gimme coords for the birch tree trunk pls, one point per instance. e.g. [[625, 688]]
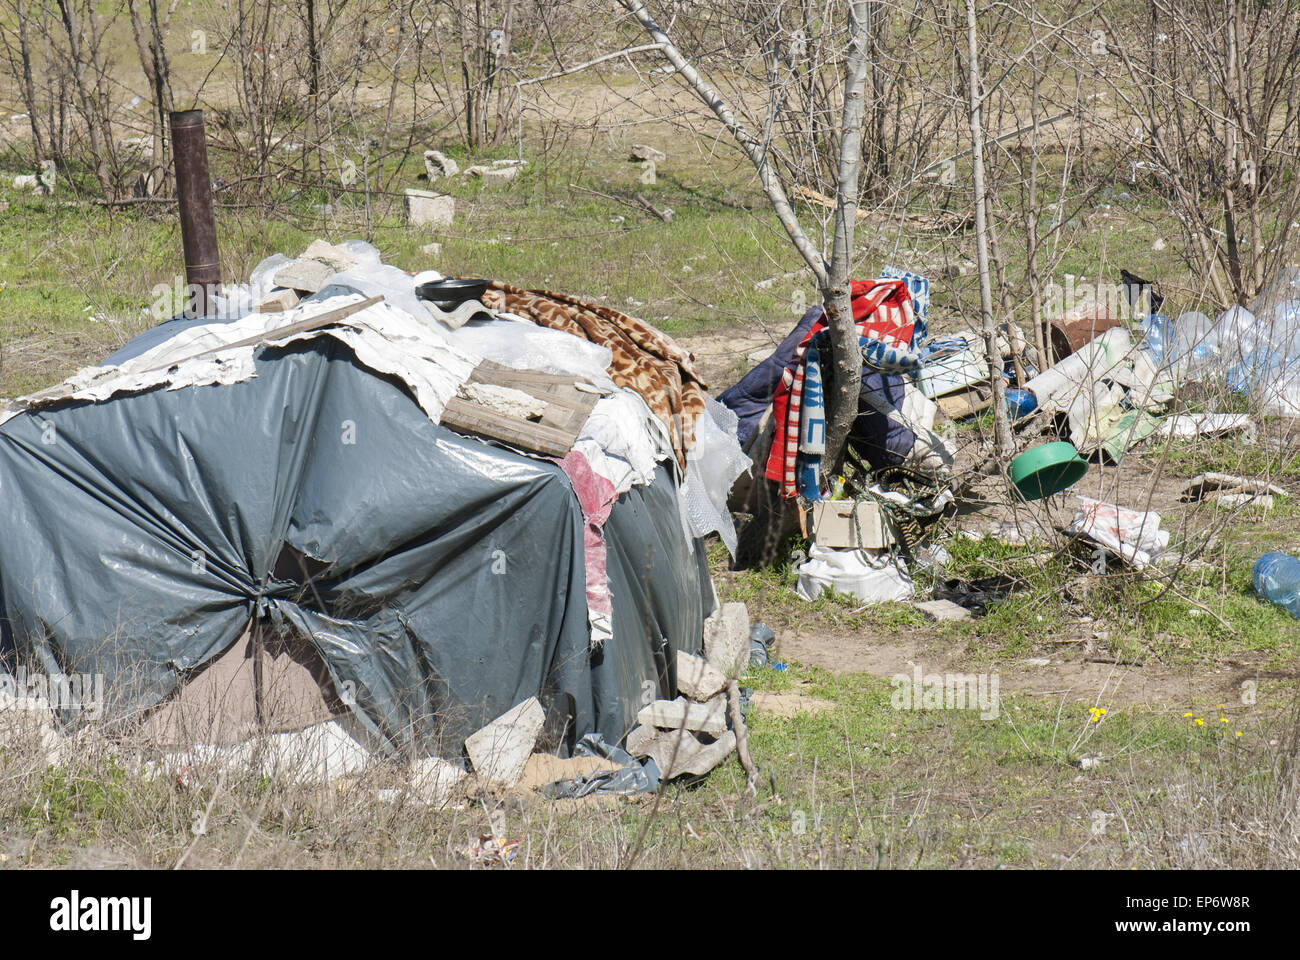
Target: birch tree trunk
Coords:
[[842, 408]]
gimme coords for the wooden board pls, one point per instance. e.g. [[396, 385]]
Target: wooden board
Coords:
[[552, 434], [966, 403]]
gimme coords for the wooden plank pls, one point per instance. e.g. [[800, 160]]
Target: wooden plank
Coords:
[[955, 406], [469, 417], [553, 433], [489, 371]]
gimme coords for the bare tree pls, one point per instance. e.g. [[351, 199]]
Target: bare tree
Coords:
[[831, 274], [1215, 87]]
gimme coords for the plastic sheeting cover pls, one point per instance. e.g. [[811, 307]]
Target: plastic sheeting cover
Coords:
[[440, 578]]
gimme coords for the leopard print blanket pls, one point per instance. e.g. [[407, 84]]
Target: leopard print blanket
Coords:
[[644, 359]]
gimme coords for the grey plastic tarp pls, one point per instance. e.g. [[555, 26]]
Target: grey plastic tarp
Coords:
[[441, 578]]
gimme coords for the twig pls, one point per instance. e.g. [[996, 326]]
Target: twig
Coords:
[[665, 215], [643, 48], [742, 738]]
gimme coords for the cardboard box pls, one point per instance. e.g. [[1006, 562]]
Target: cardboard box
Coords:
[[834, 525]]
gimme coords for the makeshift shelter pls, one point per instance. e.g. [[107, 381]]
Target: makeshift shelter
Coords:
[[270, 510]]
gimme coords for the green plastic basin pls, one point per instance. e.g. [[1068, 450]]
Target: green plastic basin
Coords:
[[1047, 469]]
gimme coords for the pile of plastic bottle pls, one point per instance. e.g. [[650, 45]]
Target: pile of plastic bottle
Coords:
[[1255, 351]]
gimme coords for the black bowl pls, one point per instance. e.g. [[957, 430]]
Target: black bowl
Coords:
[[452, 290]]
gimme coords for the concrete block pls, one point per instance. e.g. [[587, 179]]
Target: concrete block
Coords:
[[726, 639], [697, 678], [710, 717], [500, 750], [424, 208], [432, 250], [307, 276]]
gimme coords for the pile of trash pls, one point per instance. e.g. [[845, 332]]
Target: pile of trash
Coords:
[[865, 523], [1103, 388]]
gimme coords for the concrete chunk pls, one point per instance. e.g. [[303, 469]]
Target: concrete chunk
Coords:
[[307, 276], [641, 151], [424, 208], [943, 610], [697, 678], [500, 750], [278, 301], [710, 717], [433, 779], [438, 165], [336, 258], [726, 639], [678, 752], [432, 250], [499, 175]]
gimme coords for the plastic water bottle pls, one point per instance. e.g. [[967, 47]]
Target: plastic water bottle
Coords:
[[1156, 327], [1277, 577]]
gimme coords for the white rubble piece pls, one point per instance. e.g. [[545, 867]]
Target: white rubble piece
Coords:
[[424, 208], [697, 678], [726, 639], [710, 717], [868, 575], [1259, 501], [499, 175], [1188, 426], [1011, 532], [498, 171], [943, 610], [278, 300], [641, 152], [433, 779], [306, 276], [432, 250], [318, 754], [503, 400], [679, 752], [1210, 485], [500, 750], [1133, 535], [336, 258], [438, 165]]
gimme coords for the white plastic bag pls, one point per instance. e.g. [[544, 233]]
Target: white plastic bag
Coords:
[[1134, 535], [866, 574]]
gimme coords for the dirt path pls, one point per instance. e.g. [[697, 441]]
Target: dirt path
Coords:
[[1071, 680]]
